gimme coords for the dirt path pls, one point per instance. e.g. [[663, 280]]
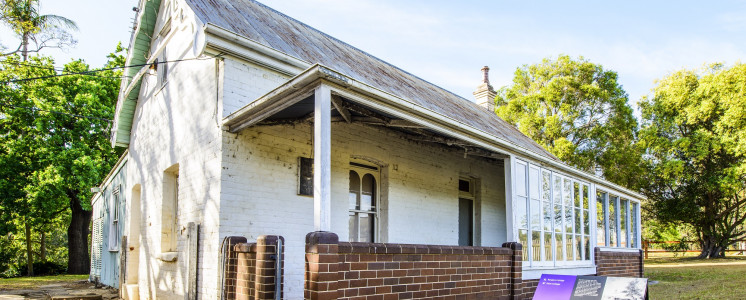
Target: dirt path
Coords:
[[81, 289]]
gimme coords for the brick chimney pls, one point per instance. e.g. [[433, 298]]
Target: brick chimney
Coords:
[[485, 94]]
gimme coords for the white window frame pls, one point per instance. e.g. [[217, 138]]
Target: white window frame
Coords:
[[114, 219], [361, 169], [617, 216], [518, 197]]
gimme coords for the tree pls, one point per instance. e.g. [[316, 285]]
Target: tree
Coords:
[[54, 132], [577, 111], [694, 130], [44, 31]]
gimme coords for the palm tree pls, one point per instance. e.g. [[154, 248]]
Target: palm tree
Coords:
[[44, 31]]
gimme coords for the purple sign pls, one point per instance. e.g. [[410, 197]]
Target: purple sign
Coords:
[[555, 287]]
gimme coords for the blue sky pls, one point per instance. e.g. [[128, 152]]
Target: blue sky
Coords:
[[447, 42]]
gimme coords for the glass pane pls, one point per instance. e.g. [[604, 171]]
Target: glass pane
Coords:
[[521, 214], [569, 246], [578, 247], [547, 216], [536, 245], [366, 228], [578, 216], [586, 222], [353, 227], [557, 190], [535, 215], [586, 196], [567, 192], [612, 222], [354, 190], [633, 225], [523, 239], [368, 196], [558, 246], [623, 223], [576, 194], [546, 186], [600, 222], [548, 246], [587, 244], [558, 218], [520, 179], [568, 219], [533, 182]]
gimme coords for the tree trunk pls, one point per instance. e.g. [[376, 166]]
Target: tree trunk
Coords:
[[43, 246], [29, 252], [78, 261]]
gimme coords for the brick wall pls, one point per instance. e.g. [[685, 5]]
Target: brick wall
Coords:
[[344, 270], [619, 264], [249, 272]]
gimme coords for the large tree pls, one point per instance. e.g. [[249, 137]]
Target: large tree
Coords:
[[54, 130], [577, 111], [694, 127]]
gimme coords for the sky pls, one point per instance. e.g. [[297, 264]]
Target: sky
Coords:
[[448, 42]]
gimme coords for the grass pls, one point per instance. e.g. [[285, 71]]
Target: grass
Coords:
[[36, 282], [692, 278]]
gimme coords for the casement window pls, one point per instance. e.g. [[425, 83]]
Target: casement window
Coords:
[[114, 219], [617, 221], [552, 216], [363, 203], [169, 209]]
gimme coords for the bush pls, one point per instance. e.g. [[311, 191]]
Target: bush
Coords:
[[46, 268]]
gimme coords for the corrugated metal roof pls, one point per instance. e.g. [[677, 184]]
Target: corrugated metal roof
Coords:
[[271, 28]]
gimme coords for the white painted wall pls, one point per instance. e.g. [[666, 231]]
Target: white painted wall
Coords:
[[178, 123], [259, 189]]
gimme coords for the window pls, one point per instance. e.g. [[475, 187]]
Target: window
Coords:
[[114, 220], [552, 216], [363, 203], [169, 209], [617, 221], [466, 212]]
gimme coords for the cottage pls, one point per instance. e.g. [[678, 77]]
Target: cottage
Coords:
[[268, 159]]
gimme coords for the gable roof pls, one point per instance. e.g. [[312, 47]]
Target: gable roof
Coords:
[[273, 29]]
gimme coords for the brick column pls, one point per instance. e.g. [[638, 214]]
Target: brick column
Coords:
[[642, 264], [245, 271], [231, 264], [266, 260], [322, 266], [516, 270]]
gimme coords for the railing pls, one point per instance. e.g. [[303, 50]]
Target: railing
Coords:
[[688, 247]]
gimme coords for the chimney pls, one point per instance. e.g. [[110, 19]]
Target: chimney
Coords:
[[485, 94]]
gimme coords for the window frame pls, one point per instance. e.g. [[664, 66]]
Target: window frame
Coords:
[[363, 169], [633, 230], [519, 196], [113, 210]]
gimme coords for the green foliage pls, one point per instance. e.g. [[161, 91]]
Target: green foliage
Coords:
[[577, 111], [695, 135], [54, 145]]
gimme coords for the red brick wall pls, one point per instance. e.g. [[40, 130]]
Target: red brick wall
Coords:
[[619, 264], [250, 268], [343, 270]]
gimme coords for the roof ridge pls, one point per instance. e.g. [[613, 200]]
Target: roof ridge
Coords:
[[358, 49]]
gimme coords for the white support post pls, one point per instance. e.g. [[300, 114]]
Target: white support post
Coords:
[[322, 157], [511, 233]]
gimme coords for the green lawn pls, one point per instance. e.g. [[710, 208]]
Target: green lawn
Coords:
[[690, 278], [35, 282]]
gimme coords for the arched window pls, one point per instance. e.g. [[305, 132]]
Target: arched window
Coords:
[[363, 202]]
